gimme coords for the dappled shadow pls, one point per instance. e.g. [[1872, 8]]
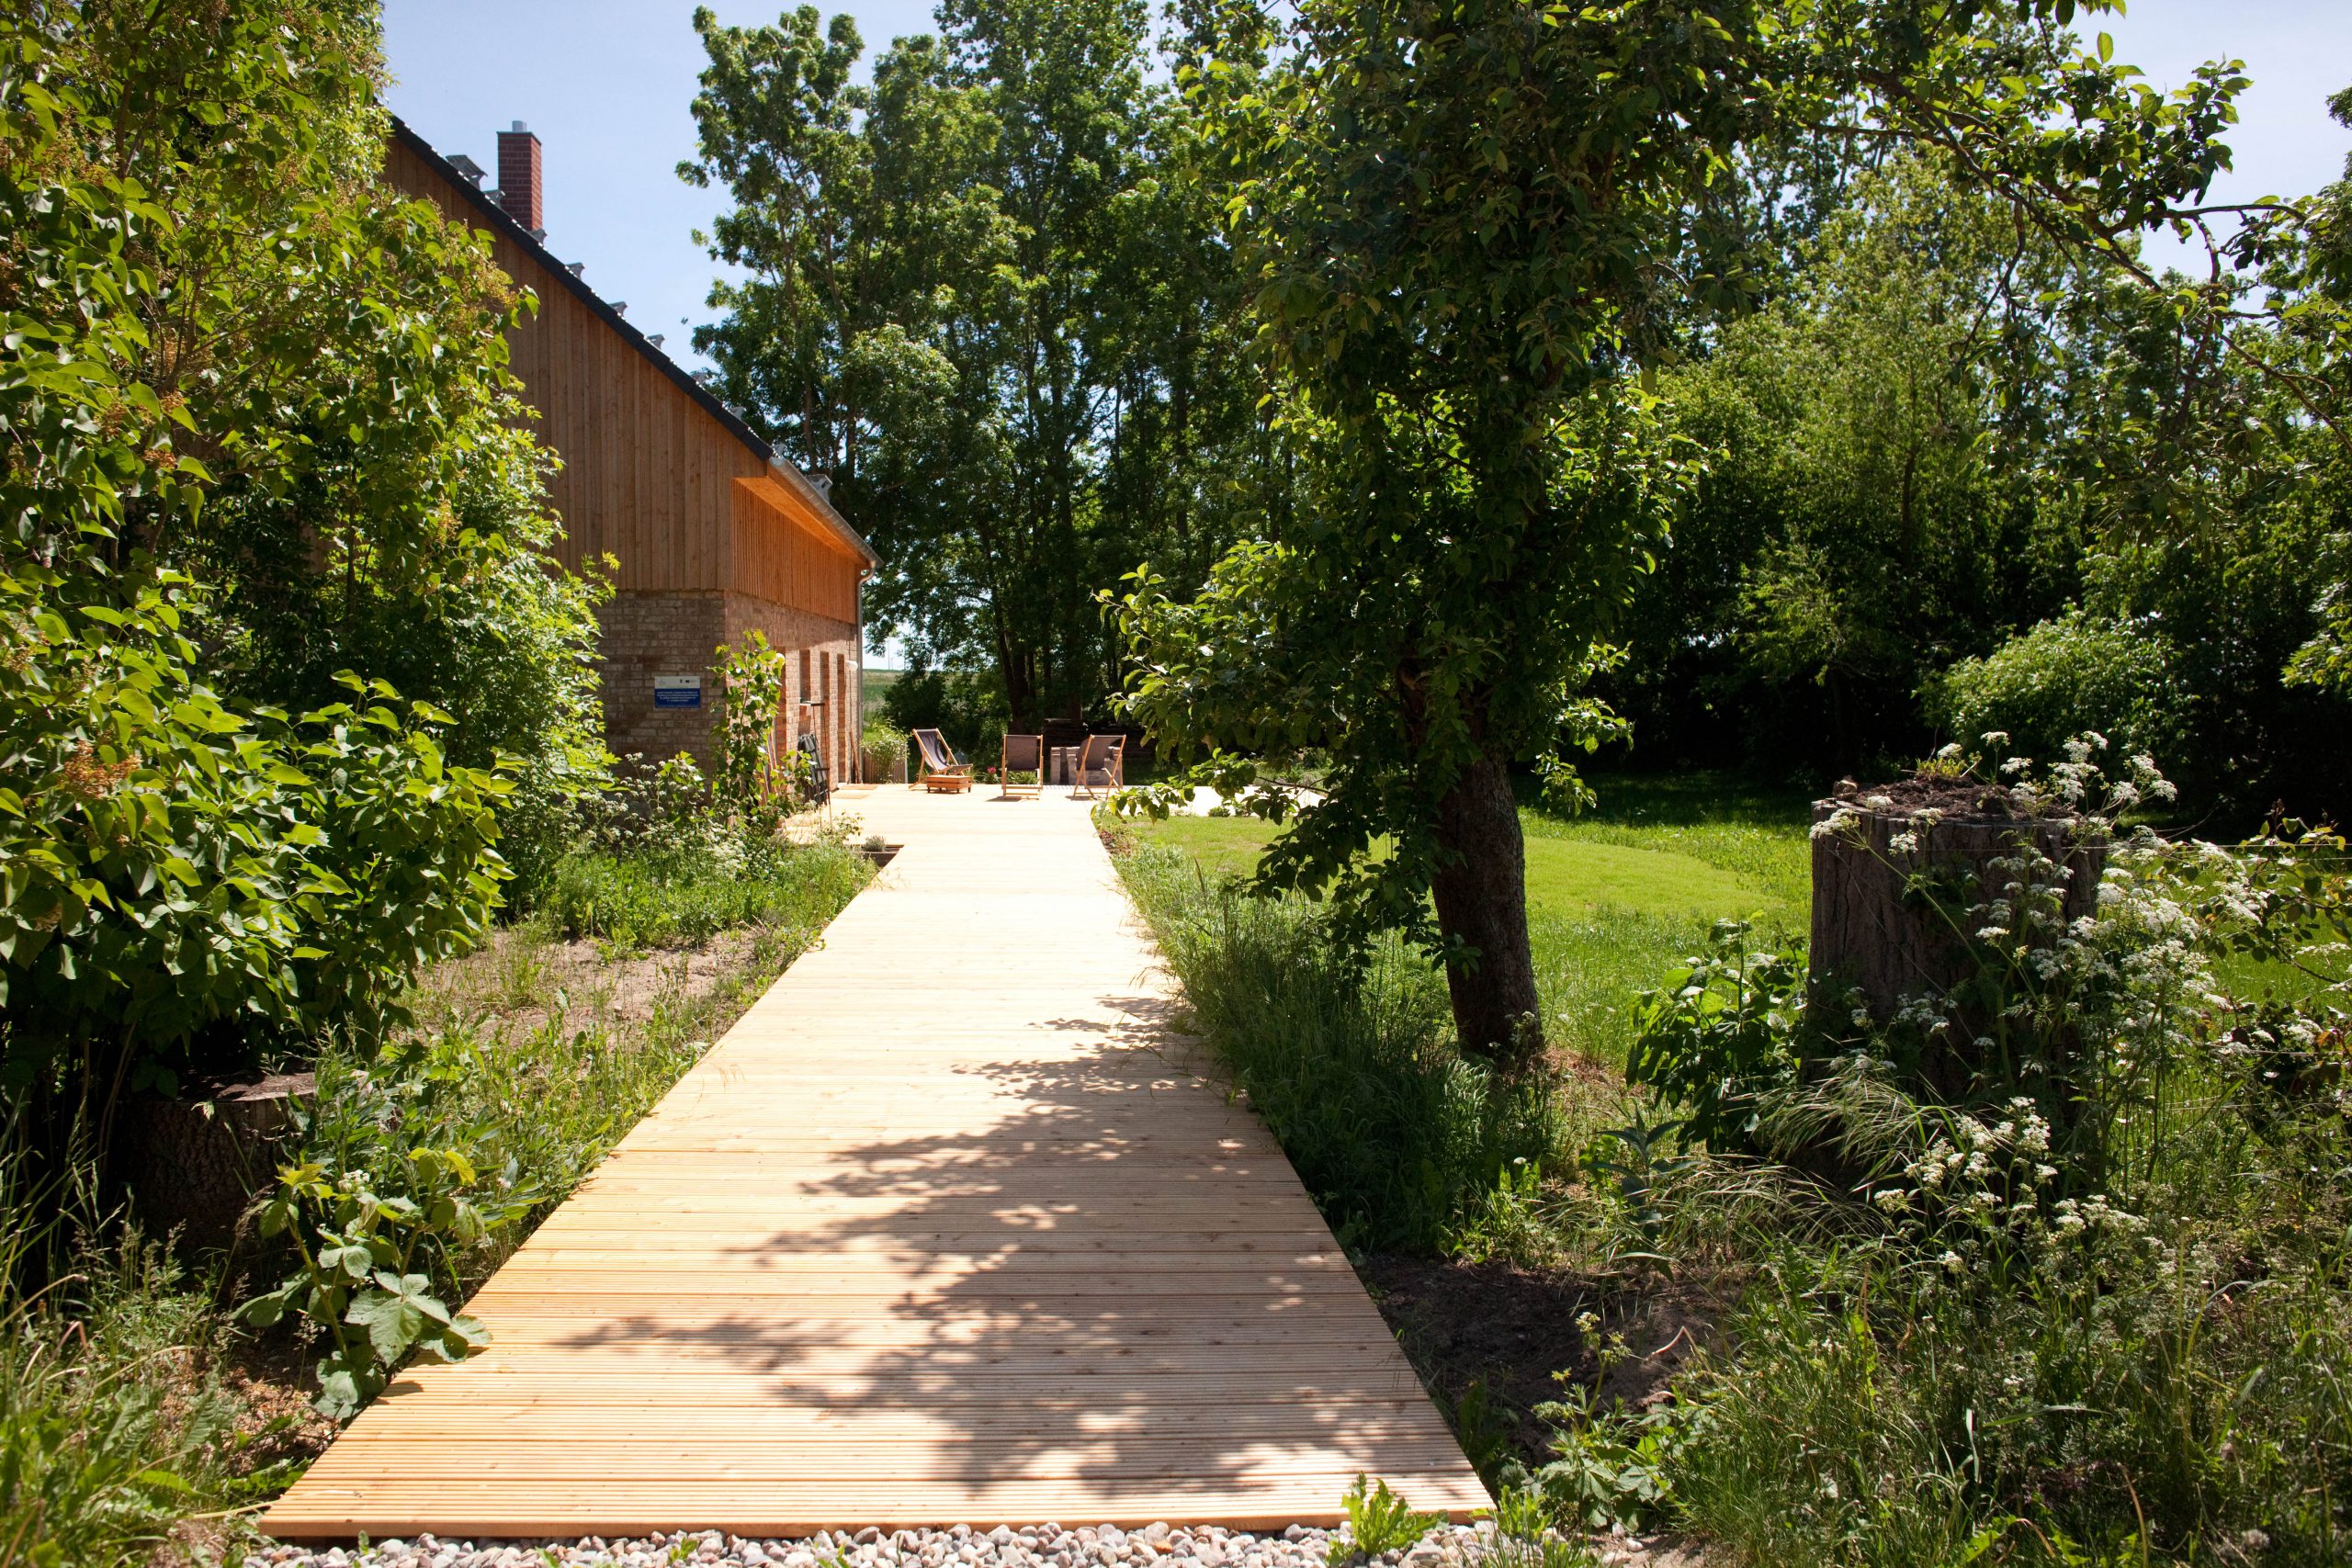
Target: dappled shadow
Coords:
[[1110, 1275]]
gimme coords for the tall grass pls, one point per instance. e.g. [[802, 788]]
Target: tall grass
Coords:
[[1394, 1133], [655, 896], [114, 1423]]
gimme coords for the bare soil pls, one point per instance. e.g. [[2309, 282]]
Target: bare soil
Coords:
[[520, 981]]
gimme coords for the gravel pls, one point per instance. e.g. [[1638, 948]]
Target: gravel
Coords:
[[1005, 1546]]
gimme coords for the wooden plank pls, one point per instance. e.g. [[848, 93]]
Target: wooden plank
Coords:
[[1029, 1261]]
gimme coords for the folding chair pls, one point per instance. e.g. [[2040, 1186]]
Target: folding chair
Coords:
[[1102, 764], [1022, 753], [940, 770]]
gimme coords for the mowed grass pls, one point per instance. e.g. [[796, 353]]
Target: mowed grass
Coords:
[[1617, 897]]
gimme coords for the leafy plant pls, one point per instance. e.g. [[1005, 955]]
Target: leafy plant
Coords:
[[1379, 1521], [1611, 1466], [1523, 1535], [177, 867], [372, 1262], [1726, 1036], [752, 784]]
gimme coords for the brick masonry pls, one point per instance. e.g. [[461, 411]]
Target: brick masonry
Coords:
[[646, 635]]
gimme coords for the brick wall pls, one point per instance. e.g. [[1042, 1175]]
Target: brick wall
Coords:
[[831, 650], [646, 635]]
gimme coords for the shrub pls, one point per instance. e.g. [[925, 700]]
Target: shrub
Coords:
[[185, 877], [885, 747], [1718, 1043], [2079, 674], [967, 708]]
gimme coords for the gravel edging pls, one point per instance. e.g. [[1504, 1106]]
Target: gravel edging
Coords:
[[1028, 1546]]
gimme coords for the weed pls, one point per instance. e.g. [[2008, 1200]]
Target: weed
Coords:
[[1379, 1521], [1523, 1535], [113, 1422]]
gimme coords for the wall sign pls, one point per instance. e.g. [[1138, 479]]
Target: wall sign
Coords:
[[677, 691]]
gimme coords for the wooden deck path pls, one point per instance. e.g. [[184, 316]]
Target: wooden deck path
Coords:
[[946, 1230]]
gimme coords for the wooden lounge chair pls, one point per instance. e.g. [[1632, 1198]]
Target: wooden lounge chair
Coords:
[[1102, 764], [1021, 753], [939, 770]]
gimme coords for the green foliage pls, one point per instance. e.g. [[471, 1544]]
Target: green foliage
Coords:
[[1378, 1521], [1465, 327], [754, 785], [1950, 440], [1399, 1139], [1880, 496], [248, 403], [368, 1265], [1720, 1040], [2091, 1311], [1523, 1537], [884, 746], [657, 895], [1613, 1466], [177, 867], [984, 294], [2060, 680], [966, 708], [114, 1422]]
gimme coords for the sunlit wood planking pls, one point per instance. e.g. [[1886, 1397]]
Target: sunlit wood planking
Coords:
[[948, 1229]]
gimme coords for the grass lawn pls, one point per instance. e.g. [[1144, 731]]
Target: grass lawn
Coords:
[[1618, 896]]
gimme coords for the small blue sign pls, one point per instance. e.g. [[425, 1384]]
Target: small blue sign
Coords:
[[677, 691]]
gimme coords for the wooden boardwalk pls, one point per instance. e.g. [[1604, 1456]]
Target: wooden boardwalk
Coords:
[[948, 1229]]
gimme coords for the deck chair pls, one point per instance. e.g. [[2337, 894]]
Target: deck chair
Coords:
[[1021, 753], [1102, 764], [938, 769]]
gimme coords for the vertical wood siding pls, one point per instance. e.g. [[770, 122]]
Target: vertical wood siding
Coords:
[[649, 475]]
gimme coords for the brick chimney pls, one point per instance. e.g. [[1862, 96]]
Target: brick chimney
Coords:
[[518, 176]]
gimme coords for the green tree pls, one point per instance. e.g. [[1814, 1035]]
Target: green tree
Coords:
[[254, 433], [1473, 226], [988, 298], [376, 499], [1883, 495]]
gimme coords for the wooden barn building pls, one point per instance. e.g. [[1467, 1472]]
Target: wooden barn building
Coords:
[[715, 535]]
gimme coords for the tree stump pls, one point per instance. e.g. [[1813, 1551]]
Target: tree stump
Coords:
[[1873, 933], [192, 1165]]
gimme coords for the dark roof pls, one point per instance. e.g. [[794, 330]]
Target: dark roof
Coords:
[[500, 222]]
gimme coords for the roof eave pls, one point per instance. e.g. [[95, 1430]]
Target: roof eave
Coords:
[[817, 502]]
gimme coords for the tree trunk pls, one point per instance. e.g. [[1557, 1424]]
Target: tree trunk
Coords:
[[1481, 902]]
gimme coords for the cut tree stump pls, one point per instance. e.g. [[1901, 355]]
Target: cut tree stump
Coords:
[[193, 1164], [1872, 934]]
